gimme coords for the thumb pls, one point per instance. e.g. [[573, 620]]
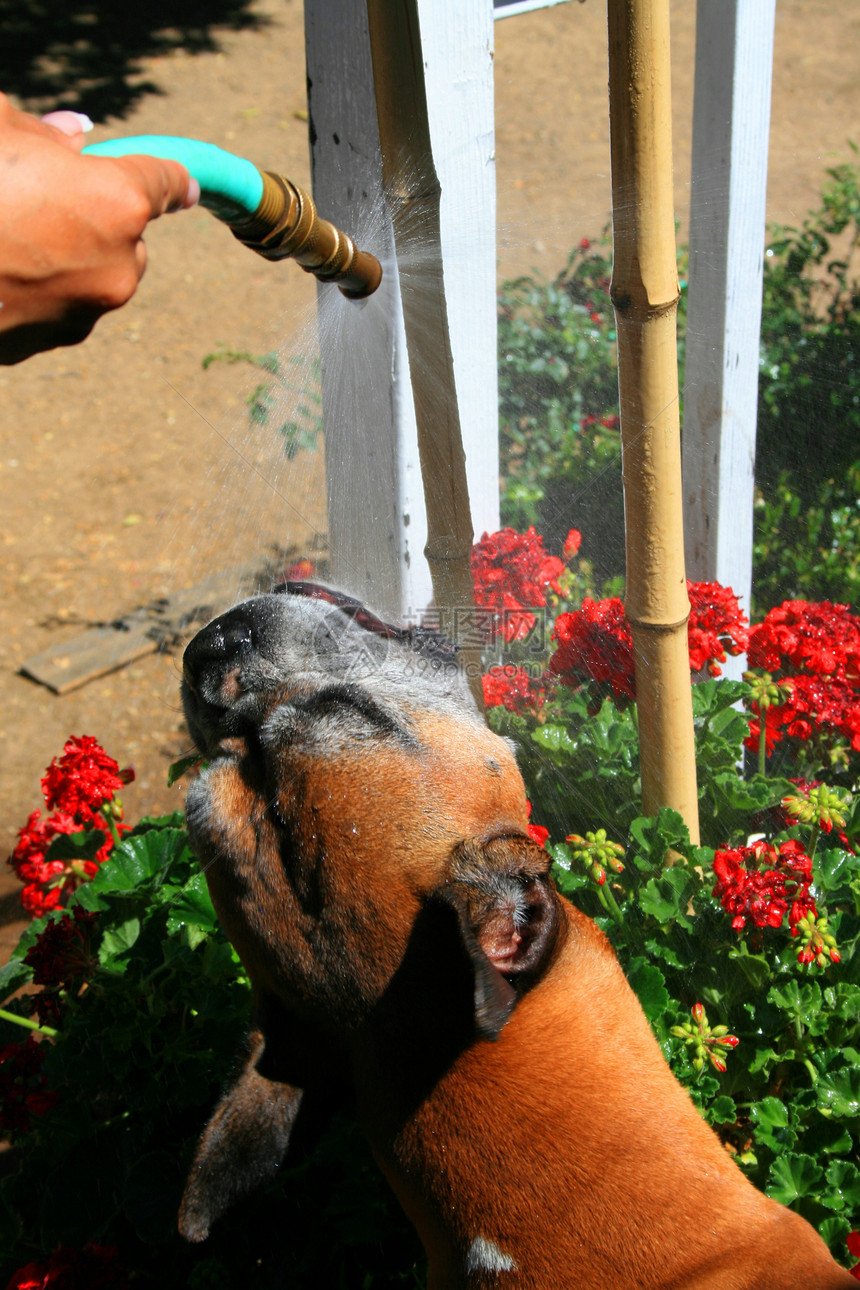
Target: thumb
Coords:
[[167, 185], [71, 126]]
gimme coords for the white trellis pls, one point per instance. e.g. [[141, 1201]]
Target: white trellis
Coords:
[[376, 513]]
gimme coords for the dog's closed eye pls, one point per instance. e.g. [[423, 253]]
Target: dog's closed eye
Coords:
[[344, 696], [334, 715]]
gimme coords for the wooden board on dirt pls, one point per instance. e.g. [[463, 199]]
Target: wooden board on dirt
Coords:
[[108, 646]]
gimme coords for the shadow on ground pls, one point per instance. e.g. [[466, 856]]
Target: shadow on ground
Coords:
[[87, 55]]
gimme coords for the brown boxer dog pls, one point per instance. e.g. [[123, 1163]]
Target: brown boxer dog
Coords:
[[365, 840]]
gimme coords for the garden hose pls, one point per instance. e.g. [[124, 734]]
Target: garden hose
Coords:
[[266, 212]]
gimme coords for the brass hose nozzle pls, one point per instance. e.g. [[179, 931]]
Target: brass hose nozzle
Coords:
[[286, 225]]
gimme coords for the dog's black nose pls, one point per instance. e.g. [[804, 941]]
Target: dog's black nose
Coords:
[[216, 649]]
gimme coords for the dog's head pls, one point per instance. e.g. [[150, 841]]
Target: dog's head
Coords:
[[363, 833]]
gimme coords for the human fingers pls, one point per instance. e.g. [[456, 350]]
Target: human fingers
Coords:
[[166, 185], [66, 128], [71, 125]]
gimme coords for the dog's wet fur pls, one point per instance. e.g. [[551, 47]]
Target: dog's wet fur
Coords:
[[365, 840]]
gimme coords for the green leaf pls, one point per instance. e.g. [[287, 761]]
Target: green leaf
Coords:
[[793, 1177], [192, 908], [705, 1089], [76, 846], [150, 823], [844, 1180], [718, 695], [833, 1231], [649, 985], [13, 975], [117, 940], [770, 1113], [771, 1124], [832, 1138], [801, 1000], [554, 738], [138, 858], [748, 796], [659, 833], [834, 868], [722, 1110], [666, 897], [763, 1058], [177, 769], [755, 967], [843, 1000], [839, 1092]]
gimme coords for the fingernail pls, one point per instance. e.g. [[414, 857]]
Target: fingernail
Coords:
[[193, 195], [69, 122]]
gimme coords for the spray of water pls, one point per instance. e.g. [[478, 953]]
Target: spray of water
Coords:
[[256, 500]]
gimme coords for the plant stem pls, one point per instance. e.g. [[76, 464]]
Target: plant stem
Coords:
[[762, 743], [610, 904], [27, 1023]]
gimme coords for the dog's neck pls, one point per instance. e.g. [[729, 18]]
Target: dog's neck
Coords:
[[567, 1144]]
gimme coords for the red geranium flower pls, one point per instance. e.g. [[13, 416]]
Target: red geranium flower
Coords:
[[537, 832], [852, 1240], [512, 574], [28, 858], [81, 785], [61, 954], [595, 643], [761, 884], [814, 651], [23, 1087], [716, 625], [820, 639], [95, 1267], [83, 780], [818, 706], [513, 688]]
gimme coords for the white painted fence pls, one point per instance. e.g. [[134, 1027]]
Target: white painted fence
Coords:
[[377, 527], [731, 118]]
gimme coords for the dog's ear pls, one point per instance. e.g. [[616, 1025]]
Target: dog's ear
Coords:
[[509, 920], [242, 1146], [281, 1100]]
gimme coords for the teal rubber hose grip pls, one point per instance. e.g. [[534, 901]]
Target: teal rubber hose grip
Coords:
[[266, 212], [230, 186]]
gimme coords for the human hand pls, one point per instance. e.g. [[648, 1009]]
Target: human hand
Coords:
[[71, 229]]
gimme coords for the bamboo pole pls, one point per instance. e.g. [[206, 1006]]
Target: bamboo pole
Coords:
[[645, 295], [413, 195]]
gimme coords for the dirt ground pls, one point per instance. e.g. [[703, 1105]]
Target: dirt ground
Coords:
[[127, 471]]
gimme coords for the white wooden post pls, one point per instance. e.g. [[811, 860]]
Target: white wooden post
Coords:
[[377, 527], [731, 118]]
